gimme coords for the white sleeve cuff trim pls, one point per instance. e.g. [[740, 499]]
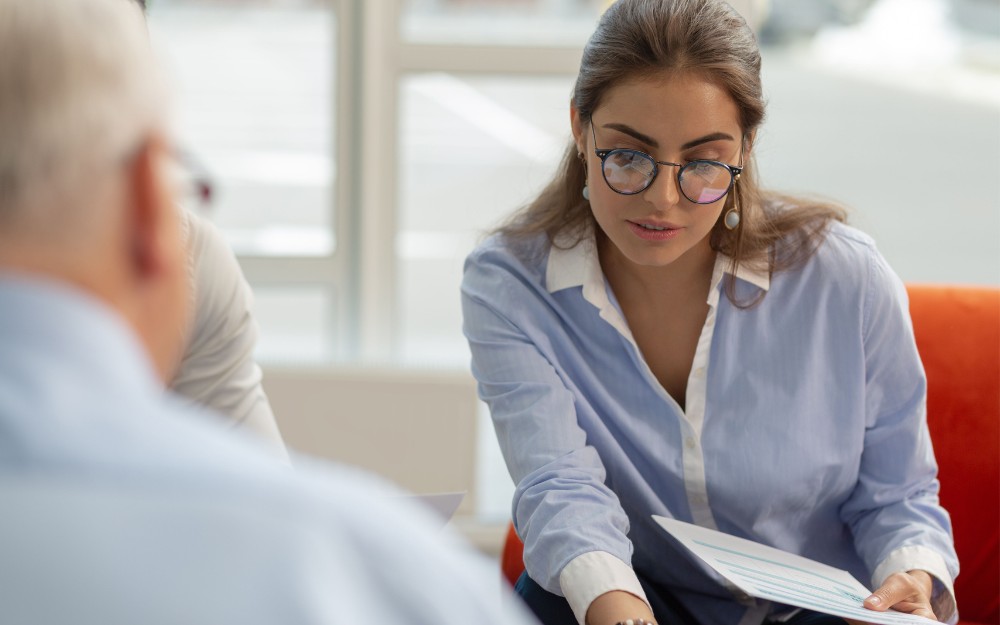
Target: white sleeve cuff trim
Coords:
[[590, 575], [919, 557]]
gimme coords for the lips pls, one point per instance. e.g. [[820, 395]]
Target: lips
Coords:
[[650, 224], [653, 230], [655, 227]]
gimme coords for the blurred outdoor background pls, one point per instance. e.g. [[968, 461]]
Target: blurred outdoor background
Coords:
[[358, 150]]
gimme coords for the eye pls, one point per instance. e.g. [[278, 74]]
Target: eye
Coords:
[[705, 172], [703, 156], [629, 159], [701, 167]]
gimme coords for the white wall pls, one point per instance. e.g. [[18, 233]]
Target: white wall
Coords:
[[416, 428]]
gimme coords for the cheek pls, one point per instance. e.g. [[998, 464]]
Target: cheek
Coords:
[[606, 205], [602, 198], [712, 212]]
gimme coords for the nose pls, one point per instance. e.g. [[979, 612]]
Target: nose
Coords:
[[665, 191]]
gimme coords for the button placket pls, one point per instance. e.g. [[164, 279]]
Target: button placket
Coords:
[[695, 480]]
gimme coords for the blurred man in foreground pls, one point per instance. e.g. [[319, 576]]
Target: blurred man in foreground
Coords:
[[119, 504]]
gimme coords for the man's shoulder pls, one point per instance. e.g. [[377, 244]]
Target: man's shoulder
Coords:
[[115, 549], [236, 534]]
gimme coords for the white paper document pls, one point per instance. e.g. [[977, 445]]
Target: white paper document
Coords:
[[443, 504], [768, 573]]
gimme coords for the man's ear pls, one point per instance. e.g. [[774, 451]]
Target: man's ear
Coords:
[[151, 210], [158, 298]]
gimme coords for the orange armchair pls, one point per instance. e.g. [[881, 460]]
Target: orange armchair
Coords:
[[958, 335], [512, 556]]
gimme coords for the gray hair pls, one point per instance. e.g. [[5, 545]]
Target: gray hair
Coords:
[[79, 90]]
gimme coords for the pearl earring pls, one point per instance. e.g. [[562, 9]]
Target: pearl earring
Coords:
[[732, 219], [586, 189]]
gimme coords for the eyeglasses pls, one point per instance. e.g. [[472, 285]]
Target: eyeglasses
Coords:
[[195, 188], [629, 172]]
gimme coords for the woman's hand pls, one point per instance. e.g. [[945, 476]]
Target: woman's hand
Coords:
[[617, 606], [908, 592]]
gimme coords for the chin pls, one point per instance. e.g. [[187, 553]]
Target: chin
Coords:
[[655, 260], [660, 255]]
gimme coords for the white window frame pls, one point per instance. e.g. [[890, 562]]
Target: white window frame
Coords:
[[371, 60]]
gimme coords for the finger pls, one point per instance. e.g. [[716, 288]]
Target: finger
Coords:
[[895, 589]]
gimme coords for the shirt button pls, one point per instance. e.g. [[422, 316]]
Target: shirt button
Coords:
[[700, 371], [689, 442]]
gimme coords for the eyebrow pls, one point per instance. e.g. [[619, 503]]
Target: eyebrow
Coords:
[[653, 143], [635, 134], [715, 136]]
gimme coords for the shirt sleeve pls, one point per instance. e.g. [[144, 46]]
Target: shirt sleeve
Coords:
[[894, 511], [591, 575], [916, 557], [218, 369], [562, 508]]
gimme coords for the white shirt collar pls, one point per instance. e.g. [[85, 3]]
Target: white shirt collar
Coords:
[[579, 266]]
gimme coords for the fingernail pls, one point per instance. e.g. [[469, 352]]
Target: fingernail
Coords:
[[874, 600]]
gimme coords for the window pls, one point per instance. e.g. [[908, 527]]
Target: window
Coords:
[[258, 86], [362, 148]]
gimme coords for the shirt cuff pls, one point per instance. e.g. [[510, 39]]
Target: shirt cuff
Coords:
[[917, 557], [590, 575]]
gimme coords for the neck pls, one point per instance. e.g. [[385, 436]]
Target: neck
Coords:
[[689, 274], [101, 274]]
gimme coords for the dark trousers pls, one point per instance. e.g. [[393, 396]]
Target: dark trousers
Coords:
[[552, 609]]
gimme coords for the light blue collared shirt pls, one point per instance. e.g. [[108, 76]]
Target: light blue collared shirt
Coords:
[[804, 425], [120, 505]]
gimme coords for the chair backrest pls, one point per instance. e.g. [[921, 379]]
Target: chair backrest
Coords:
[[958, 335], [512, 557]]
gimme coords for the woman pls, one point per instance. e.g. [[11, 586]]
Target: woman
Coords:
[[655, 335]]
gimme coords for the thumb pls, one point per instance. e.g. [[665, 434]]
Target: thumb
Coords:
[[888, 594]]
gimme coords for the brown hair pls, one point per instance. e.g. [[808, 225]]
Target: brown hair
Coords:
[[640, 38]]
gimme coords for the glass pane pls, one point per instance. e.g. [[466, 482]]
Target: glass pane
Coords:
[[519, 22], [296, 324], [473, 149], [255, 106], [893, 109]]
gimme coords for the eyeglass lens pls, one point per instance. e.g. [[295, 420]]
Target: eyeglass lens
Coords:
[[630, 172]]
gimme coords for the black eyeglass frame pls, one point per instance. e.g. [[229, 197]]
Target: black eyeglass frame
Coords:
[[603, 154], [201, 182]]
